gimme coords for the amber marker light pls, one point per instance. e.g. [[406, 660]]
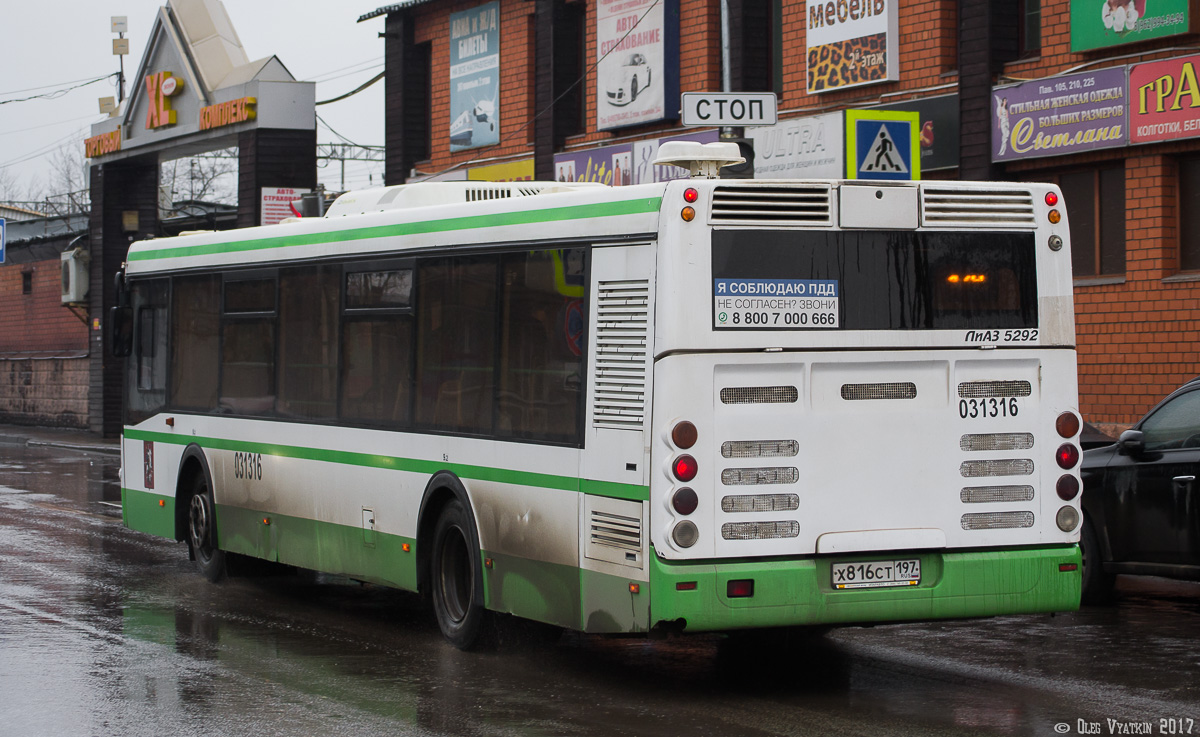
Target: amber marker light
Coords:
[[162, 502], [634, 588], [405, 547], [688, 214], [1055, 216]]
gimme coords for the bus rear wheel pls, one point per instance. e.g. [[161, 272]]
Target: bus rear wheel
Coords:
[[202, 531], [457, 586]]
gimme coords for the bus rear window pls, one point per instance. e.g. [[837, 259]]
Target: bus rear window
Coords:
[[897, 280]]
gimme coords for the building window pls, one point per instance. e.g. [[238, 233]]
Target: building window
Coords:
[[1029, 33], [26, 282], [1095, 202], [1189, 214]]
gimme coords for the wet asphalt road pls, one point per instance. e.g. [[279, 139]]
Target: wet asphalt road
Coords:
[[104, 631]]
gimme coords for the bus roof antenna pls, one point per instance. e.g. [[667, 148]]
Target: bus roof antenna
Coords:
[[701, 159]]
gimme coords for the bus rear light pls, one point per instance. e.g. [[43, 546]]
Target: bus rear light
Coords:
[[685, 586], [1067, 567], [1051, 198], [685, 534], [1067, 425], [1055, 216], [684, 435], [685, 468], [1067, 519], [740, 589], [1067, 456], [1067, 487], [688, 214], [685, 501], [690, 195]]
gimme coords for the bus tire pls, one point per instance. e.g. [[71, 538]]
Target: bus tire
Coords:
[[1097, 583], [456, 578], [202, 531]]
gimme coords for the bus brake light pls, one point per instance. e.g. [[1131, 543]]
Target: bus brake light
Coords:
[[685, 468], [1067, 456]]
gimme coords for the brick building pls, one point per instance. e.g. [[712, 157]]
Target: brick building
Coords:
[[1136, 258]]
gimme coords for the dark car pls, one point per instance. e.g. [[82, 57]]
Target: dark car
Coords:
[[1141, 498]]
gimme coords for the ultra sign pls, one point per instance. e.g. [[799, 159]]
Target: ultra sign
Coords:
[[729, 108]]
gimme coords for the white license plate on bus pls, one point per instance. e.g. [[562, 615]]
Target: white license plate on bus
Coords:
[[877, 573]]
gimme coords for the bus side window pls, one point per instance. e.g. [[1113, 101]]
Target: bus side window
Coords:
[[195, 322], [308, 342], [147, 366], [377, 347]]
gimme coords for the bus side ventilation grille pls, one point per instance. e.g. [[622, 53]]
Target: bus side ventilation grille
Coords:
[[760, 503], [998, 208], [898, 390], [1011, 467], [759, 395], [982, 389], [756, 476], [759, 448], [772, 205], [614, 531], [619, 379], [997, 441], [500, 192], [994, 494], [760, 530], [997, 520]]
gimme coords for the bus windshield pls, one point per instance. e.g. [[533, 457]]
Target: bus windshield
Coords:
[[897, 280]]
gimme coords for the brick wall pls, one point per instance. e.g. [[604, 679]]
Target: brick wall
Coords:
[[37, 322], [49, 392]]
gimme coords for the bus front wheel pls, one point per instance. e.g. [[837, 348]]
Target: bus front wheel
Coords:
[[457, 586], [202, 531]]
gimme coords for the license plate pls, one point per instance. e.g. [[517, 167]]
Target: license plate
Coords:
[[877, 573]]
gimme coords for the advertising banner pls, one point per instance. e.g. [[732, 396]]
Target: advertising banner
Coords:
[[1062, 115], [852, 43], [801, 148], [634, 41], [1164, 100], [512, 171], [1098, 24], [277, 202], [624, 163], [938, 129], [475, 77]]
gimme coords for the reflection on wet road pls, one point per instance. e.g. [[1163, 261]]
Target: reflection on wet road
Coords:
[[108, 632]]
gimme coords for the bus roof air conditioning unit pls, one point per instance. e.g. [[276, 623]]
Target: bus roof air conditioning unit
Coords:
[[74, 275]]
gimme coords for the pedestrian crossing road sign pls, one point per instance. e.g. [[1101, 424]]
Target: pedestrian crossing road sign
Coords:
[[882, 144]]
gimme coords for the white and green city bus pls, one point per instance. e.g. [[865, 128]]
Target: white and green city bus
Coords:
[[697, 405]]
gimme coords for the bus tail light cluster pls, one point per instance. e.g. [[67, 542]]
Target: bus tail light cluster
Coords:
[[684, 500], [1067, 425], [688, 213]]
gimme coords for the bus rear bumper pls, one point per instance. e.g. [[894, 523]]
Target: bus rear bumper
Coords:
[[695, 596]]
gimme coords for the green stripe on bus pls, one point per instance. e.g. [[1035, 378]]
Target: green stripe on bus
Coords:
[[633, 492], [525, 217]]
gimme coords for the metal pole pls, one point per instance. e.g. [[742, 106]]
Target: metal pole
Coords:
[[726, 71], [121, 76]]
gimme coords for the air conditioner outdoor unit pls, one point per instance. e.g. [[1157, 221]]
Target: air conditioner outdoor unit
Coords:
[[75, 275]]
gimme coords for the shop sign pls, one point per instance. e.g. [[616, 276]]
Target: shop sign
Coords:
[[161, 87], [852, 43], [512, 171], [105, 143], [1060, 115], [623, 164], [1164, 100], [228, 113], [475, 77], [801, 148], [1098, 24], [938, 129], [633, 44]]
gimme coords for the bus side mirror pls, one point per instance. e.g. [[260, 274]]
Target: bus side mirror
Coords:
[[1131, 443], [120, 331]]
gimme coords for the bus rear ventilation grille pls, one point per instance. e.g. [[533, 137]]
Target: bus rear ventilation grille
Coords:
[[983, 389], [759, 448], [760, 530], [1009, 467], [897, 390], [755, 476], [990, 208], [997, 441], [616, 531], [997, 520], [772, 205], [480, 194], [994, 494], [760, 503], [759, 395]]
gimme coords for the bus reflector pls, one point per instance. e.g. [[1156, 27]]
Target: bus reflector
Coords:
[[685, 586], [685, 468], [1067, 456], [740, 589], [1067, 567]]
